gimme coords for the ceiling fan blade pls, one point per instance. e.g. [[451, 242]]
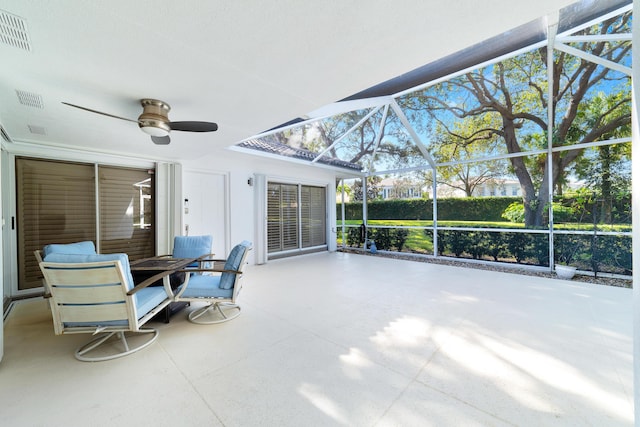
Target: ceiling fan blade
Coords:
[[99, 112], [161, 140], [194, 126]]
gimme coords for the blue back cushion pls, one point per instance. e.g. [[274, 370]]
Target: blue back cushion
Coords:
[[86, 247], [233, 263], [75, 258], [191, 246]]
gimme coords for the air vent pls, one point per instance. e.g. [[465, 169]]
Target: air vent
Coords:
[[5, 135], [29, 99], [13, 31], [37, 130]]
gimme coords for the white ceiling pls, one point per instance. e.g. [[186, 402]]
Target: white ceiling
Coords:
[[248, 65]]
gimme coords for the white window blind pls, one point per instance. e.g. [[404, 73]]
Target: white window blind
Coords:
[[282, 217], [296, 217], [289, 216], [313, 214]]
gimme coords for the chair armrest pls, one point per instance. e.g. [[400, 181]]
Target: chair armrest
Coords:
[[208, 258], [153, 279]]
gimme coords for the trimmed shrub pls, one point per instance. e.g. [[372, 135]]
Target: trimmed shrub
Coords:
[[514, 212], [462, 209]]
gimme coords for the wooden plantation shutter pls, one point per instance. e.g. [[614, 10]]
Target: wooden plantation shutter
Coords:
[[296, 217], [282, 217], [313, 213], [274, 226], [289, 209]]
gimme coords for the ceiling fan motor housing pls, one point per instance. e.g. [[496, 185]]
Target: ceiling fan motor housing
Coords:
[[154, 119]]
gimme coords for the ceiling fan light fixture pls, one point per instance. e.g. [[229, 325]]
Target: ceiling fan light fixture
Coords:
[[154, 127], [154, 120]]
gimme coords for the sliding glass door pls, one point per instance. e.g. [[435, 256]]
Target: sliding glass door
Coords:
[[63, 202], [296, 218], [313, 215]]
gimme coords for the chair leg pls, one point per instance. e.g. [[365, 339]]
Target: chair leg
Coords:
[[217, 312], [83, 353]]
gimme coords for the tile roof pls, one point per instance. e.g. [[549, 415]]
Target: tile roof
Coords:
[[274, 147]]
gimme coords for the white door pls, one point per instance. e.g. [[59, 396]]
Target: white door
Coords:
[[205, 207]]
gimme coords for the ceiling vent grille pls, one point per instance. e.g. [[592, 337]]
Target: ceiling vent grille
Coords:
[[13, 31], [4, 134], [37, 130], [29, 99]]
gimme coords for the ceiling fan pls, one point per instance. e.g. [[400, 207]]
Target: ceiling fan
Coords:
[[154, 121]]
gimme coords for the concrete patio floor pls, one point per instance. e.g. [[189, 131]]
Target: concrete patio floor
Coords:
[[337, 339]]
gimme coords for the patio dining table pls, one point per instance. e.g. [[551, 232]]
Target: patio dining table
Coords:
[[144, 268]]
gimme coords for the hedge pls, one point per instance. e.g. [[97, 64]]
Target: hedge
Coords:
[[475, 209], [464, 209], [603, 253]]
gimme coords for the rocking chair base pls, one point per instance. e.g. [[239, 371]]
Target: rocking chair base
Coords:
[[217, 312], [93, 351]]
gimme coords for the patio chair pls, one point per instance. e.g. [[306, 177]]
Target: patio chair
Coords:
[[218, 287], [183, 247], [94, 294]]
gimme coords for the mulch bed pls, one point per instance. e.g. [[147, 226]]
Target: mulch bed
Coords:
[[599, 280]]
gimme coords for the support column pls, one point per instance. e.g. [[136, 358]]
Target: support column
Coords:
[[635, 208]]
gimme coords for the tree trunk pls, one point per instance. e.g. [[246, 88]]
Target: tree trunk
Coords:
[[532, 208], [605, 158]]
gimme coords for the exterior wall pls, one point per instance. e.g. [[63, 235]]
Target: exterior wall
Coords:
[[389, 190], [388, 193], [240, 210], [498, 189], [505, 189], [399, 189], [240, 169]]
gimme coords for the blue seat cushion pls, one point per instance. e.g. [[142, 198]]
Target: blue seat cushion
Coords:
[[149, 298], [80, 258], [86, 247], [206, 286]]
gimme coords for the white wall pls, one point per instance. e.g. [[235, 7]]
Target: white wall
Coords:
[[241, 167]]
